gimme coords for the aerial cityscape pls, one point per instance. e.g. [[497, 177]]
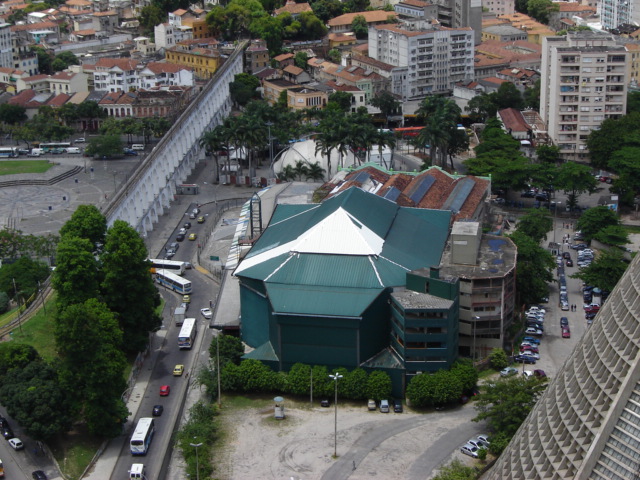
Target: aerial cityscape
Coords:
[[319, 240]]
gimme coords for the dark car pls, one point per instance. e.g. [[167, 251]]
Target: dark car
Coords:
[[3, 422], [187, 225], [39, 475], [590, 315], [539, 373], [397, 406], [564, 321], [579, 246], [566, 254], [529, 194], [542, 197], [129, 152], [324, 402], [180, 237], [7, 433], [157, 410], [569, 262], [524, 359]]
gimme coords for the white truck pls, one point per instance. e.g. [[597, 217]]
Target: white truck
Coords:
[[137, 472], [178, 315]]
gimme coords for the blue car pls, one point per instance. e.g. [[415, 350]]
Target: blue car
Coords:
[[532, 340]]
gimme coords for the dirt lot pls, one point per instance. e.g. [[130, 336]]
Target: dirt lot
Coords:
[[370, 444]]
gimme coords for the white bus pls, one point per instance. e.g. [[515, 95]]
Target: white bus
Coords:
[[171, 265], [173, 281], [8, 152], [61, 147], [142, 435], [188, 333]]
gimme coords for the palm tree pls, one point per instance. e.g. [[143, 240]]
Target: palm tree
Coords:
[[315, 171], [301, 169], [385, 139], [440, 116], [213, 141], [287, 174]]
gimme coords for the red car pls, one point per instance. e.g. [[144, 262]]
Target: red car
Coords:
[[528, 348], [592, 309], [566, 333], [164, 390]]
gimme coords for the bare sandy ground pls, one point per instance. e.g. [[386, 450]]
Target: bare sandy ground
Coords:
[[256, 446]]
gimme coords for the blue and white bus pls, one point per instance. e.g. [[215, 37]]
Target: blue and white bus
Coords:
[[173, 281], [188, 333], [171, 265], [142, 436], [8, 152]]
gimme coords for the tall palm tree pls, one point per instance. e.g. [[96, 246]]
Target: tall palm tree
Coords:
[[440, 116], [315, 171], [385, 139], [213, 141]]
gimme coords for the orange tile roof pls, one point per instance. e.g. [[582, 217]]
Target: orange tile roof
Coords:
[[63, 76], [78, 3], [34, 26], [372, 16], [294, 8], [415, 3], [88, 31], [283, 56], [161, 67], [513, 120], [105, 14], [121, 63], [293, 70], [574, 7], [58, 100], [179, 12]]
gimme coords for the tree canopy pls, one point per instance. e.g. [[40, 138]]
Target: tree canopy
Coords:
[[533, 269], [596, 219], [536, 223], [605, 271], [86, 222]]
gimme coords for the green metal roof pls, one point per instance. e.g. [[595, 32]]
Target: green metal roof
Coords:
[[324, 301], [264, 352], [353, 242]]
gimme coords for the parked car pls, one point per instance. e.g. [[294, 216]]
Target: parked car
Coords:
[[529, 194], [157, 410], [324, 402], [16, 443], [206, 313], [566, 333], [384, 406], [397, 406], [476, 442], [470, 450], [371, 405], [592, 308], [565, 306], [79, 140], [539, 373], [7, 433], [169, 254], [38, 475], [590, 315], [569, 262], [187, 225], [524, 359], [579, 246], [182, 231], [129, 152], [529, 348], [180, 237], [533, 331], [484, 439], [564, 322], [532, 340], [507, 372]]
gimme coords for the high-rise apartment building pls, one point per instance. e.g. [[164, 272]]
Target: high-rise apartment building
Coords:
[[584, 82], [614, 13], [586, 425], [435, 59], [6, 49]]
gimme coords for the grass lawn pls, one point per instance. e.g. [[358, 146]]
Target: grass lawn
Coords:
[[632, 228], [11, 167], [73, 451], [38, 331]]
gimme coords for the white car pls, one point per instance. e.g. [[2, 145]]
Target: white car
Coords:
[[531, 354], [182, 231], [507, 372], [16, 443], [207, 313], [79, 140], [533, 331], [470, 450]]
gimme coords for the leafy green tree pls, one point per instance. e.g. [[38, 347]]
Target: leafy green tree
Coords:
[[499, 442], [387, 103], [439, 388], [300, 60], [536, 223], [605, 270], [335, 55], [34, 398], [89, 342], [575, 179], [481, 107], [354, 384], [150, 16], [77, 276], [498, 359], [357, 5], [360, 27], [327, 9], [612, 135], [44, 126], [534, 265], [86, 222], [378, 385], [90, 111], [464, 370], [63, 60], [633, 102], [4, 302], [255, 376], [613, 235], [456, 470], [22, 277], [541, 9], [231, 349], [311, 27], [243, 88], [299, 379], [548, 154], [230, 379], [531, 96], [16, 355], [322, 385], [341, 100], [596, 219], [127, 287], [507, 96], [44, 59], [105, 146], [441, 117], [482, 454], [12, 114], [202, 427], [505, 403], [314, 172], [270, 30]]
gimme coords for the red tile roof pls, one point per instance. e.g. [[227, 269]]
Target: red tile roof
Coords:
[[371, 16], [294, 8], [34, 26], [161, 67], [513, 120], [58, 100], [121, 63]]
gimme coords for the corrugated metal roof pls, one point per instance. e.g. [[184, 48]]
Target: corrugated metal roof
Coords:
[[325, 301], [264, 352]]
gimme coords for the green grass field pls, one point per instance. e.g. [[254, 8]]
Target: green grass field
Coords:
[[38, 331], [11, 167]]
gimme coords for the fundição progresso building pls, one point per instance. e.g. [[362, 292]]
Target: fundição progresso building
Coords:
[[318, 285], [586, 425]]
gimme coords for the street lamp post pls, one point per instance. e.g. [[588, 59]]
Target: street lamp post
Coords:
[[269, 125], [336, 376], [196, 445]]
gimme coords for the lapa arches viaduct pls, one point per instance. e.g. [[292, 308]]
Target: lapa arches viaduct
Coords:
[[152, 186]]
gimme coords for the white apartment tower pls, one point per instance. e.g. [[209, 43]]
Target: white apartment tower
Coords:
[[6, 48], [584, 81], [614, 13], [434, 59]]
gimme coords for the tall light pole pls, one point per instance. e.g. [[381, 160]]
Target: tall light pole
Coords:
[[196, 445], [269, 125], [336, 376], [475, 319]]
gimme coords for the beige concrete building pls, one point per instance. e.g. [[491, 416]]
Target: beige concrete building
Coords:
[[584, 82]]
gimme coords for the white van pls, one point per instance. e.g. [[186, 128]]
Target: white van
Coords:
[[384, 406], [137, 146], [137, 472], [36, 152], [73, 150]]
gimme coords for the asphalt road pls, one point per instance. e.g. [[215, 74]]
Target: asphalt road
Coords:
[[204, 290]]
